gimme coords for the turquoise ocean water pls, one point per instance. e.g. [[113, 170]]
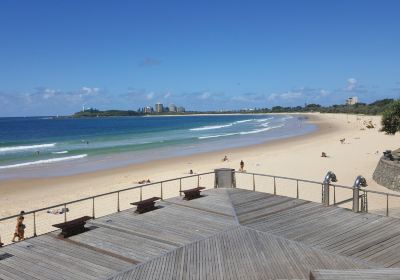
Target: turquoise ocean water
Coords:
[[44, 146]]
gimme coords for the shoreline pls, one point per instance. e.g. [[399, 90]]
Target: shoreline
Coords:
[[313, 119], [298, 156]]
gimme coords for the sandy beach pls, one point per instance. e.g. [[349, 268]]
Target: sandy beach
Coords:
[[298, 157]]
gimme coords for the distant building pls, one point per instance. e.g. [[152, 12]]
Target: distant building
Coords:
[[148, 110], [180, 109], [159, 108], [352, 100], [172, 108]]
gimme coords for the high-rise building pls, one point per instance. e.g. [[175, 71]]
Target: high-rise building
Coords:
[[352, 100], [148, 110], [159, 108], [181, 109], [172, 108]]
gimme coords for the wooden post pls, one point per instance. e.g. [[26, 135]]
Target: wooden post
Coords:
[[297, 189], [180, 186], [254, 183], [161, 190], [274, 186]]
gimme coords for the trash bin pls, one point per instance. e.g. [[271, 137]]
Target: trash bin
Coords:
[[225, 178]]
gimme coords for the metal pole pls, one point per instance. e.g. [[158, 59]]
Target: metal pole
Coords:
[[274, 186], [180, 186], [198, 180], [387, 204], [334, 194], [254, 183], [297, 189], [118, 206], [34, 224], [141, 194], [65, 213], [161, 190], [356, 200], [93, 214]]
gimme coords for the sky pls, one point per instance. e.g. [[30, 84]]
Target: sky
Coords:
[[57, 56]]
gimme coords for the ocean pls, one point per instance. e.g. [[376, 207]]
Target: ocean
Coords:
[[45, 146]]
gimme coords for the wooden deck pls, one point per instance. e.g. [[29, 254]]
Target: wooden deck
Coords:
[[227, 234]]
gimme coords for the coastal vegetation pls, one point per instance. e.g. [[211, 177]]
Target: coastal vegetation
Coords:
[[391, 118], [375, 108]]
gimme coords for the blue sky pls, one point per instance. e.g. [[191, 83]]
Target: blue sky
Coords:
[[56, 56]]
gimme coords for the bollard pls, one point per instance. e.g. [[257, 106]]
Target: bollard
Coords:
[[329, 177], [358, 183]]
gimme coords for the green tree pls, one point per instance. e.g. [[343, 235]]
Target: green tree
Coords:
[[391, 118]]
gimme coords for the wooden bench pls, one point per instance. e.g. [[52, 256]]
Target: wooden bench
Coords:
[[192, 193], [72, 227], [146, 205]]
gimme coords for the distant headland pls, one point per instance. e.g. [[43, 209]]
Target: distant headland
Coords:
[[352, 106]]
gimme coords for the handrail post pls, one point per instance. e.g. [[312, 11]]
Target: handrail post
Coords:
[[34, 224], [65, 212], [330, 176], [141, 193], [180, 186], [387, 204], [254, 184], [274, 185], [198, 180], [360, 182], [118, 206], [93, 213], [161, 190], [297, 189]]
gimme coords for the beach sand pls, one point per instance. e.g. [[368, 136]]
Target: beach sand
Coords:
[[298, 157]]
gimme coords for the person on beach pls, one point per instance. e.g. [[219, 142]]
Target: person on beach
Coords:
[[191, 171], [241, 165], [225, 158], [19, 228]]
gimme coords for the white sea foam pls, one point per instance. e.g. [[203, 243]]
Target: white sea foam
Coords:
[[263, 120], [243, 121], [60, 152], [260, 130], [216, 136], [44, 161], [28, 147], [209, 127]]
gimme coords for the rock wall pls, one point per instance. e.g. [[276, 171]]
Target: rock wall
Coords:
[[387, 174]]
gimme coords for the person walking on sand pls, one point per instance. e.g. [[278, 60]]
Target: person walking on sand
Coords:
[[241, 165], [19, 228]]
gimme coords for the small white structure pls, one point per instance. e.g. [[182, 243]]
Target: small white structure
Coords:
[[352, 100]]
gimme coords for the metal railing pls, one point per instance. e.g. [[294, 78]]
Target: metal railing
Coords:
[[386, 197], [256, 182], [46, 225]]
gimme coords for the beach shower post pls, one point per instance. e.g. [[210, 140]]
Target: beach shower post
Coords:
[[359, 182], [329, 177]]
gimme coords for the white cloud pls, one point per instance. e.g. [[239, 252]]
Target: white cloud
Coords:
[[167, 95], [351, 84], [205, 95], [150, 95]]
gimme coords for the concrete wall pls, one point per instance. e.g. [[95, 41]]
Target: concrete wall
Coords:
[[387, 174]]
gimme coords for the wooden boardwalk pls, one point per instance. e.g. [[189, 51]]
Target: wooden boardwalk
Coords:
[[227, 234]]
